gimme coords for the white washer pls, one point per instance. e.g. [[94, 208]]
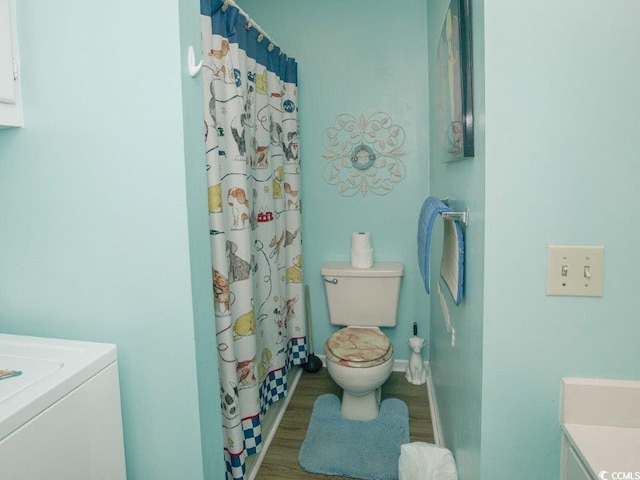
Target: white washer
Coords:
[[61, 418]]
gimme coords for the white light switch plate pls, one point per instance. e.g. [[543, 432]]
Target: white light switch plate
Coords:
[[575, 270]]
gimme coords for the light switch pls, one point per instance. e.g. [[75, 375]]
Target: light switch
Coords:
[[575, 270]]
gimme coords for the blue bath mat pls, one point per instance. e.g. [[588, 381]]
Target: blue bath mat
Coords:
[[368, 450]]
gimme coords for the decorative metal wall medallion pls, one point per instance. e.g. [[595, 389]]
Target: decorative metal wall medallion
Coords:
[[364, 154], [363, 157]]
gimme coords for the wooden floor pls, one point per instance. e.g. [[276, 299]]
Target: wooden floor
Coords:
[[281, 460]]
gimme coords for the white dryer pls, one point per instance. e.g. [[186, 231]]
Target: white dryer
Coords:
[[60, 419]]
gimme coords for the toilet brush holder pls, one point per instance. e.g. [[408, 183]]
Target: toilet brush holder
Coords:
[[416, 373]]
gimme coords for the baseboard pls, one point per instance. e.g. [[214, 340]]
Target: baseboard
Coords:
[[251, 475], [400, 365], [433, 407]]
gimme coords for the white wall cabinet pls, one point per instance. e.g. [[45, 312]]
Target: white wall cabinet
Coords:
[[10, 100]]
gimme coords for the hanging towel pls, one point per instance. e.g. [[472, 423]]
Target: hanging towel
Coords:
[[452, 264], [452, 267], [431, 208]]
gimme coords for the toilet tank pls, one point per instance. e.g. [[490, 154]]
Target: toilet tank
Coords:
[[363, 296]]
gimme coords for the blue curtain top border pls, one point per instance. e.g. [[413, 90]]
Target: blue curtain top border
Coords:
[[231, 25]]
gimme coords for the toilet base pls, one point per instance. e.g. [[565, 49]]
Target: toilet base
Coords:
[[361, 407]]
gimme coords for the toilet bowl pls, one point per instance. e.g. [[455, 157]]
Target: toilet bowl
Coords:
[[359, 357], [360, 360]]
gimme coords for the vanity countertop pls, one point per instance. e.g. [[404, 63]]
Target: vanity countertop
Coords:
[[601, 420], [604, 448]]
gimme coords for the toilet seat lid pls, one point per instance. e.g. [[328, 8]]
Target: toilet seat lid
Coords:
[[358, 347]]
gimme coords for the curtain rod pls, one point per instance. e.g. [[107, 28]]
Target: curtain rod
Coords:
[[252, 23]]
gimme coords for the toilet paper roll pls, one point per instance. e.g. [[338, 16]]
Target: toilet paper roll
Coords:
[[360, 241], [362, 258]]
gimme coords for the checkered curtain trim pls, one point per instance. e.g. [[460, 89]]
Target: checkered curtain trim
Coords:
[[274, 387]]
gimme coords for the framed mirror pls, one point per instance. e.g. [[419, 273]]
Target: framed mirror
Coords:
[[455, 83]]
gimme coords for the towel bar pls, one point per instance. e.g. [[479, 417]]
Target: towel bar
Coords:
[[460, 216]]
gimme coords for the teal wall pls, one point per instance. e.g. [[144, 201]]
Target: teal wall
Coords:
[[206, 346], [103, 224], [457, 371], [358, 57], [556, 121], [561, 168]]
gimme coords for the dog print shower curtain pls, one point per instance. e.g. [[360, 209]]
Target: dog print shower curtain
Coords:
[[251, 134]]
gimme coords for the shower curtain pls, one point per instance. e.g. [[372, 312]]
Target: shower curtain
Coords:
[[253, 170]]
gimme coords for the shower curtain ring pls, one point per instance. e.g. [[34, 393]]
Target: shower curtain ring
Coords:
[[225, 6]]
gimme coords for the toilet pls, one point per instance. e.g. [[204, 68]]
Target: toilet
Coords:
[[359, 357]]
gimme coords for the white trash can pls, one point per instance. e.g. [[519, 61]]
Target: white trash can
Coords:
[[425, 461]]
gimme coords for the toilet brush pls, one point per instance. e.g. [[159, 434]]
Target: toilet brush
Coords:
[[314, 364]]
